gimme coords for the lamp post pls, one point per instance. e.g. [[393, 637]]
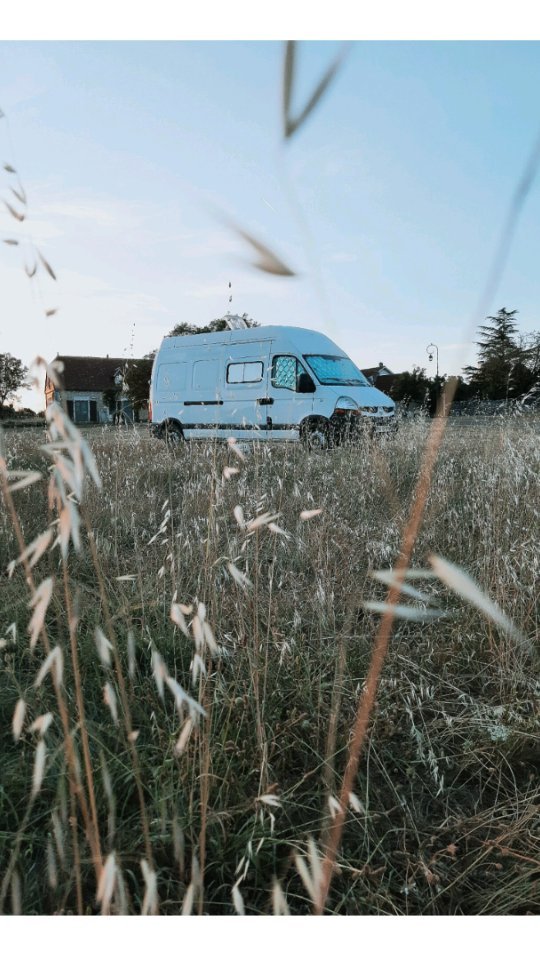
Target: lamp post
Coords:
[[429, 350]]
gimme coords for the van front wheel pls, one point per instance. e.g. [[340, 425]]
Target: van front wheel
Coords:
[[315, 435]]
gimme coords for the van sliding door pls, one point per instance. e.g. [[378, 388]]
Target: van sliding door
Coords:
[[246, 406]]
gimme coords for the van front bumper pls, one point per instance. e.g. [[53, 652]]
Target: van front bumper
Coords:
[[351, 427], [382, 425]]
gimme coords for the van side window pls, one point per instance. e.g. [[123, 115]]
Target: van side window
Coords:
[[285, 371], [245, 372]]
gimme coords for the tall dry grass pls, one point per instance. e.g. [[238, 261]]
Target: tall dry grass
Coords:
[[214, 647]]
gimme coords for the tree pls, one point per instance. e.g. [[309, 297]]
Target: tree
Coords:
[[529, 345], [506, 366], [13, 376], [414, 386], [215, 326], [463, 390], [411, 387], [137, 380]]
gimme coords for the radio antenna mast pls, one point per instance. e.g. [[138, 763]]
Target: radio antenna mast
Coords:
[[233, 321]]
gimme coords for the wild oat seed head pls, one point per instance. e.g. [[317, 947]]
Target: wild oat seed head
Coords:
[[18, 718]]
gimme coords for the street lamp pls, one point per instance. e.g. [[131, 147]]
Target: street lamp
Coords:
[[429, 350]]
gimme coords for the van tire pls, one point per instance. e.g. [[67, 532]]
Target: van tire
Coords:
[[316, 434], [173, 435]]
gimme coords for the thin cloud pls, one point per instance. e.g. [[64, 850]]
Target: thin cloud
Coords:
[[343, 257], [104, 212], [86, 210]]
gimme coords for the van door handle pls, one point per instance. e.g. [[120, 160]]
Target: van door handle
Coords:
[[265, 401]]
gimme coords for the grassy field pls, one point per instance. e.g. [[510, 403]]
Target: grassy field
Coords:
[[202, 675]]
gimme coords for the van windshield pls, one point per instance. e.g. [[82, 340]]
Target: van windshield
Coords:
[[335, 370]]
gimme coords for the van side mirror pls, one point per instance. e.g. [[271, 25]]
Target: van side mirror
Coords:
[[305, 384]]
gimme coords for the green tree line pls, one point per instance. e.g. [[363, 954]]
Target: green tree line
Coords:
[[507, 367]]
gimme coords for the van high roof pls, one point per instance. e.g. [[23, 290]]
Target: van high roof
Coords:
[[303, 338]]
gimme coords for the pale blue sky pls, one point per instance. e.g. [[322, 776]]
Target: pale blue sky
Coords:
[[401, 179]]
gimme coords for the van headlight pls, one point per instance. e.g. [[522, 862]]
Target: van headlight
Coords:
[[347, 405]]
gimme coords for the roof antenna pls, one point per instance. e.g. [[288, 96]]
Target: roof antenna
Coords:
[[233, 321]]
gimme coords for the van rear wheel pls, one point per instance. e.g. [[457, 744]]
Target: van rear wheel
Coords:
[[173, 436]]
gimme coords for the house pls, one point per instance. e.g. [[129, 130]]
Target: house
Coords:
[[93, 390], [372, 373], [381, 377]]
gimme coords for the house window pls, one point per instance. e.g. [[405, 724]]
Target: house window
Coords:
[[245, 372]]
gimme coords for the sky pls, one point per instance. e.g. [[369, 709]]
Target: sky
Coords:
[[140, 159]]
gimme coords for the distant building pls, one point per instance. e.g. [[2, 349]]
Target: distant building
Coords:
[[381, 377], [92, 390]]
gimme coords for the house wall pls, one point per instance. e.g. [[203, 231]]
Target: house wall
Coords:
[[103, 411], [103, 415]]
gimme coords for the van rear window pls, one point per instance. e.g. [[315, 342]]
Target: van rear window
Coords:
[[251, 372]]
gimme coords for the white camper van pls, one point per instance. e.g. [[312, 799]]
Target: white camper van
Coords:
[[274, 383]]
